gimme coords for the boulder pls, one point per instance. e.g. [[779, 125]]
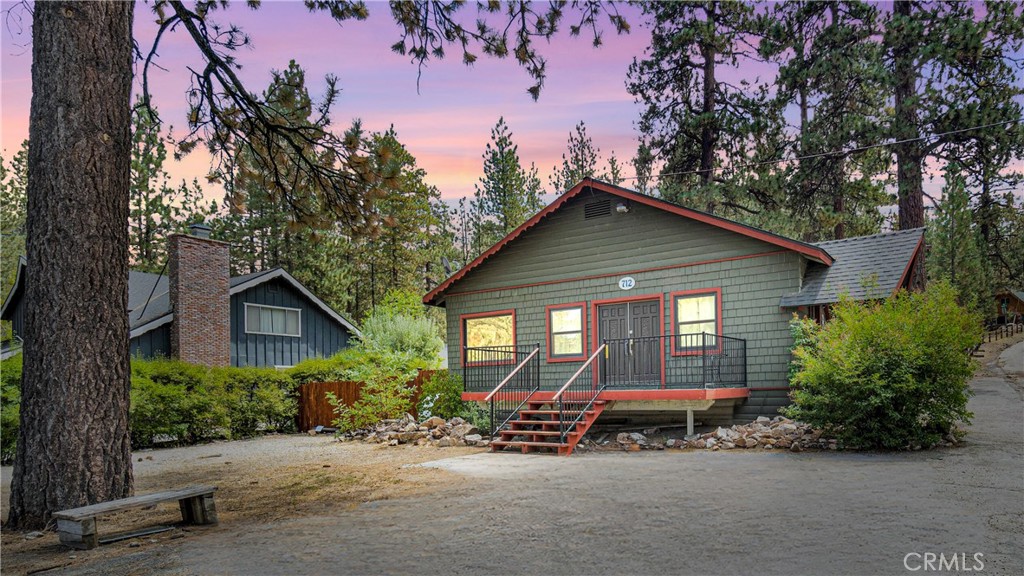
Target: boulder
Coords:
[[434, 422], [472, 439]]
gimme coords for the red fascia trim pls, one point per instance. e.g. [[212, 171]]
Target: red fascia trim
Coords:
[[770, 389], [661, 307], [675, 321], [547, 331], [609, 395], [462, 332], [623, 273], [910, 265], [810, 251]]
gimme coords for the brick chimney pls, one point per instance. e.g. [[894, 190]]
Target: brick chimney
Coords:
[[199, 283]]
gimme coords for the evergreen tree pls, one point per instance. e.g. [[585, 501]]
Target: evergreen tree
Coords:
[[956, 252], [506, 195], [829, 70], [157, 209], [693, 120], [581, 161], [13, 204], [950, 71]]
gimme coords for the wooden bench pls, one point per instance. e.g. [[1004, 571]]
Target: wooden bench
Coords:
[[77, 527]]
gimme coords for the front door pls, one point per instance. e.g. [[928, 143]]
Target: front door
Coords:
[[633, 331]]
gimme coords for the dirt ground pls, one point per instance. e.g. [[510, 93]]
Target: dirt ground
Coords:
[[309, 505]]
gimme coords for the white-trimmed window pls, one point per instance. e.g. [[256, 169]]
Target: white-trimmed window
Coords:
[[272, 320]]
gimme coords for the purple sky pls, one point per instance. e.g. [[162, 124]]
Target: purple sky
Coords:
[[445, 126]]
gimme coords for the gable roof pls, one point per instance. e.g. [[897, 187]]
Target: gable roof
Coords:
[[149, 299], [436, 296], [865, 267]]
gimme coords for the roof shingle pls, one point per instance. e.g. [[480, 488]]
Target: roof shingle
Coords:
[[865, 267]]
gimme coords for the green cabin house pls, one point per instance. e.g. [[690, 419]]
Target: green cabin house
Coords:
[[613, 304]]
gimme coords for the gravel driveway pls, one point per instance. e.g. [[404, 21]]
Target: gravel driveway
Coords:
[[671, 512]]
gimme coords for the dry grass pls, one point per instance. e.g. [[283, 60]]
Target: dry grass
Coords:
[[258, 481]]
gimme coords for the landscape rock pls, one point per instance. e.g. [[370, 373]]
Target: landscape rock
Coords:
[[433, 431], [434, 422]]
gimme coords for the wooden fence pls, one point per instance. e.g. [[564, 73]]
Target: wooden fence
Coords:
[[1004, 330], [315, 410]]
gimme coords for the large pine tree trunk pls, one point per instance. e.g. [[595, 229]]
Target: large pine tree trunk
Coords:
[[709, 128], [909, 155], [74, 444]]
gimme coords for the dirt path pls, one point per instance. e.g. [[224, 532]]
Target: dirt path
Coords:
[[665, 512]]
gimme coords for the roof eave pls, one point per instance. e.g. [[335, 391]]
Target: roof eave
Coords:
[[283, 274]]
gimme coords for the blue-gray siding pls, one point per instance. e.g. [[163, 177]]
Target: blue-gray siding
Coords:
[[321, 335], [152, 344]]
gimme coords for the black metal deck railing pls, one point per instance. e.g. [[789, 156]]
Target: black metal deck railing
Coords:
[[578, 394], [511, 375], [700, 360]]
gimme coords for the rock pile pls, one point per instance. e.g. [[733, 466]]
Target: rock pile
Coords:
[[777, 433], [432, 431]]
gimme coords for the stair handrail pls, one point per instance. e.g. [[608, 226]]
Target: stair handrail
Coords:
[[563, 427], [558, 395], [511, 374]]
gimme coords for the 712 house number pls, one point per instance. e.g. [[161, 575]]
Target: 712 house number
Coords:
[[627, 283]]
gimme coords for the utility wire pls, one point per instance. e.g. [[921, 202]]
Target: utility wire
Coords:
[[836, 153]]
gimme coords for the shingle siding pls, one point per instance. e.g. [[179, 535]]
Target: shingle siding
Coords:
[[751, 284]]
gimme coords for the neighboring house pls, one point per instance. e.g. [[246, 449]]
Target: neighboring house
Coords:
[[198, 313], [692, 310], [1009, 306]]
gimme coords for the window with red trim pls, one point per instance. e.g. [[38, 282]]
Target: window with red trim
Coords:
[[566, 326], [495, 332], [693, 314]]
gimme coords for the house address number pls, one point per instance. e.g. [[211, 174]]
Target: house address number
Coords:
[[627, 283]]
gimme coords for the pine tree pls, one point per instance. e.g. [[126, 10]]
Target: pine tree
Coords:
[[956, 252], [506, 194], [13, 204], [695, 122], [829, 71], [157, 209]]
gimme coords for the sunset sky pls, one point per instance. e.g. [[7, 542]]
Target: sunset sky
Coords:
[[445, 126]]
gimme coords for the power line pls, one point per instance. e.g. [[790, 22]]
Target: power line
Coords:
[[832, 153]]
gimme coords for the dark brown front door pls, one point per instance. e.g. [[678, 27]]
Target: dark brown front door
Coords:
[[632, 330]]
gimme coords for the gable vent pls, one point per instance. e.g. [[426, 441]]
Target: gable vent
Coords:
[[597, 209]]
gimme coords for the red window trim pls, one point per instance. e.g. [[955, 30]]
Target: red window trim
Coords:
[[582, 306], [660, 297], [675, 321], [462, 334]]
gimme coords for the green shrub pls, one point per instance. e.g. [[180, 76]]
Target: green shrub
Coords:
[[317, 370], [441, 396], [413, 337], [258, 399], [890, 374], [157, 409], [180, 397], [10, 402], [804, 332], [380, 399]]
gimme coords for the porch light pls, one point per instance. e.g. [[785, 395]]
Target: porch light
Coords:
[[622, 207]]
